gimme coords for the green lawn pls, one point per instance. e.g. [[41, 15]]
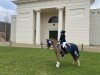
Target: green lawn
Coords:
[[29, 61]]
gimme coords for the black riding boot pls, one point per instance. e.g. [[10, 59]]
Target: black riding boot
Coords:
[[62, 53]]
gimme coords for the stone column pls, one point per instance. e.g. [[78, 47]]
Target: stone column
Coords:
[[38, 22], [32, 20], [60, 20]]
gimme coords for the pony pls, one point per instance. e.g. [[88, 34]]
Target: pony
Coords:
[[59, 51]]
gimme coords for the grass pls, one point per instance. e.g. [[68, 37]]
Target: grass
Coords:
[[31, 61]]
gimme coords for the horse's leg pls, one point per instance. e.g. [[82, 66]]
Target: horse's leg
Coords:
[[76, 60], [57, 62], [58, 58]]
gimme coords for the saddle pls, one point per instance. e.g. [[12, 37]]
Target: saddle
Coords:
[[65, 48], [70, 48]]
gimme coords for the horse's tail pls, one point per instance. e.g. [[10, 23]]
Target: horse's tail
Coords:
[[77, 51]]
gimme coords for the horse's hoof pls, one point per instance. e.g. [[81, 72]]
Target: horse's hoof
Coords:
[[57, 65], [78, 63]]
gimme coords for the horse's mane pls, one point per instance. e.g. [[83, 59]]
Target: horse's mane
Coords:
[[54, 40]]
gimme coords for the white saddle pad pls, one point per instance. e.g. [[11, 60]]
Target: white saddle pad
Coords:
[[64, 44]]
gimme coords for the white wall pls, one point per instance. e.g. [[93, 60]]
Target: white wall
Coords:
[[95, 27], [77, 22], [25, 26]]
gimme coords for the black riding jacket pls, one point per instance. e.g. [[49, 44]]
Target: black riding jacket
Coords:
[[62, 38]]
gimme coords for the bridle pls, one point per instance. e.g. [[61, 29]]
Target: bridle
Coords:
[[49, 43]]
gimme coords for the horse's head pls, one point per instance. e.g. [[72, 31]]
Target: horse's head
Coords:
[[51, 42]]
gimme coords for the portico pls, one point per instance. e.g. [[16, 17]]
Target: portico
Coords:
[[58, 12]]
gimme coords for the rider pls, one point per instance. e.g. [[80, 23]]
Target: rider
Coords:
[[63, 41], [62, 37], [65, 46]]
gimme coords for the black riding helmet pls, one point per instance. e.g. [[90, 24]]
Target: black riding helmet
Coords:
[[63, 31]]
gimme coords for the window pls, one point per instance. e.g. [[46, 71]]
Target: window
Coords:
[[93, 12], [53, 19], [98, 12]]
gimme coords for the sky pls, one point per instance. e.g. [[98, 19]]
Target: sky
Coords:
[[8, 8], [96, 5]]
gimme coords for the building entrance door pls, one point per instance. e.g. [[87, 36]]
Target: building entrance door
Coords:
[[53, 34]]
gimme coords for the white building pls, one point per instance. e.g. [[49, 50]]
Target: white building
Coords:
[[95, 27], [38, 20]]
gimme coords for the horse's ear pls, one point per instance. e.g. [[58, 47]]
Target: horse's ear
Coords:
[[47, 39], [51, 38]]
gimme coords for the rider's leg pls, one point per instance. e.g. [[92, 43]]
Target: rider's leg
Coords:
[[62, 51]]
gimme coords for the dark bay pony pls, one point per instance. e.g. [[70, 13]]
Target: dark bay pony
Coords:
[[58, 51]]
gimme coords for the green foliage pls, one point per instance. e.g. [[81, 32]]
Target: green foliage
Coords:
[[31, 61]]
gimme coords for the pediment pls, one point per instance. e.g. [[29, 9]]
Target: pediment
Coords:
[[23, 1]]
